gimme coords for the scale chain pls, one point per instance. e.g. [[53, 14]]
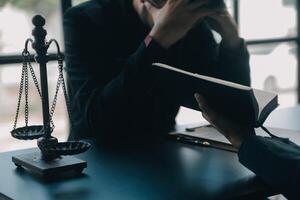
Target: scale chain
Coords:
[[20, 96], [33, 75], [60, 82], [26, 96], [24, 84], [54, 100], [68, 105]]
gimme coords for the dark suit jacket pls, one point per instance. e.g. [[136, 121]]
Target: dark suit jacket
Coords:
[[113, 89], [275, 160]]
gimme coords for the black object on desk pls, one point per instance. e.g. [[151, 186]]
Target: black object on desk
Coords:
[[48, 161]]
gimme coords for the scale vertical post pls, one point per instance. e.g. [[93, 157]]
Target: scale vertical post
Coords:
[[41, 47]]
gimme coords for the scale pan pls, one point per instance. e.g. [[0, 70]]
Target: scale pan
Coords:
[[28, 132], [67, 148]]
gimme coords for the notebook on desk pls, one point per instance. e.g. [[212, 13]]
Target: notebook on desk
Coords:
[[207, 135]]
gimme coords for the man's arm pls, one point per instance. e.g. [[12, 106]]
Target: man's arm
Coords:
[[235, 63], [101, 86], [221, 61], [233, 56], [275, 160]]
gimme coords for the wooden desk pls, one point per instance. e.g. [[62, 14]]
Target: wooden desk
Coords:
[[162, 170]]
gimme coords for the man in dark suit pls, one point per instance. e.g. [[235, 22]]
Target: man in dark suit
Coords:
[[110, 46]]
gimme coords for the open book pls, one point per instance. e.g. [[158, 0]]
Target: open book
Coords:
[[238, 102]]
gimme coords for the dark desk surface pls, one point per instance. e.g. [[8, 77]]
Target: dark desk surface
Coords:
[[164, 170]]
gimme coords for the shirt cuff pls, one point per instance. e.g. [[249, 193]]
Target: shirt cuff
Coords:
[[148, 40], [251, 145], [155, 52], [246, 146]]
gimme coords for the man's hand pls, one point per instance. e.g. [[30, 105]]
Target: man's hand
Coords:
[[234, 132], [223, 23], [171, 22]]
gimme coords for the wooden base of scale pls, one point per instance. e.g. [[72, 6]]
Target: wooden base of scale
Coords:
[[49, 168]]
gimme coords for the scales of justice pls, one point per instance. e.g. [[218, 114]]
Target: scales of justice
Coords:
[[53, 157]]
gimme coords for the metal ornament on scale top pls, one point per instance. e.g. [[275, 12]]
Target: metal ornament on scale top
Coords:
[[49, 146]]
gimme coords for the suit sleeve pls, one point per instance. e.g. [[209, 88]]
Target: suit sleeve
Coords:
[[234, 63], [207, 57], [275, 160], [228, 64], [97, 90]]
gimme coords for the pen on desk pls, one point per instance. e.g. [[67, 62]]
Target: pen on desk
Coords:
[[192, 129], [192, 140], [202, 142]]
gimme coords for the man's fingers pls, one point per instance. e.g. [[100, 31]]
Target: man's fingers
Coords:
[[201, 101], [157, 3], [204, 12], [177, 1], [205, 117], [151, 7], [153, 3], [195, 4], [204, 107], [209, 114]]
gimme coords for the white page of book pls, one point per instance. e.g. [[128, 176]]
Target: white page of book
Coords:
[[263, 98]]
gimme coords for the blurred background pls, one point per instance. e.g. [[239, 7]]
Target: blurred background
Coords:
[[269, 27]]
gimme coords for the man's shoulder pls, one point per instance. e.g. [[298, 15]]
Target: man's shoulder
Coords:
[[95, 10]]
